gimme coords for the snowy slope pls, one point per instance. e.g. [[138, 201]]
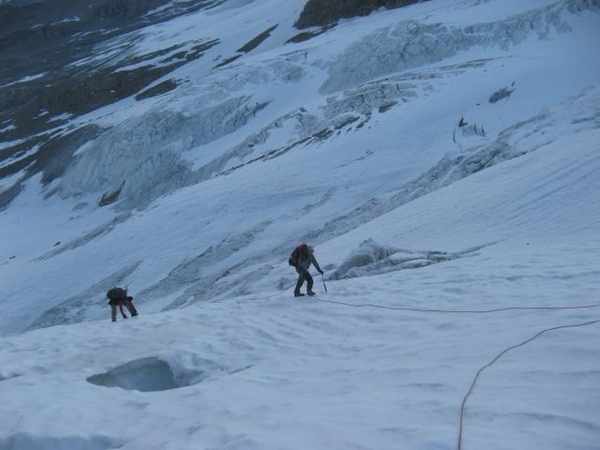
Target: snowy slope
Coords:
[[443, 160], [335, 158]]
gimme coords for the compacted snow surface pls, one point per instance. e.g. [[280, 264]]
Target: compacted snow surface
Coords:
[[451, 191]]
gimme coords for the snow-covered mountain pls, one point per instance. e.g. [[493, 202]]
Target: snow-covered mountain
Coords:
[[442, 158]]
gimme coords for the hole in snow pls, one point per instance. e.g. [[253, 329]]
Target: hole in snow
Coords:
[[150, 375]]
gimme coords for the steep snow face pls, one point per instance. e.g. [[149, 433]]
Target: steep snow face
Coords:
[[453, 205], [172, 145], [199, 193], [420, 42]]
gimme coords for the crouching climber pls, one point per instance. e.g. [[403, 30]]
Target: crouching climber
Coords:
[[117, 297]]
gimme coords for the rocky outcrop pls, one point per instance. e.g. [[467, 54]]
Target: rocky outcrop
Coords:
[[42, 45], [46, 80], [326, 12]]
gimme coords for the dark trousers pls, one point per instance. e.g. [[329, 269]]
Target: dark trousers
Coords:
[[303, 274], [130, 307], [113, 310], [128, 304]]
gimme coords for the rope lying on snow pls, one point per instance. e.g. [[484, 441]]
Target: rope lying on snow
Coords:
[[500, 355], [485, 311], [462, 311]]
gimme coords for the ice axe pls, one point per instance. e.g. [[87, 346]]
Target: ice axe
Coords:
[[324, 285]]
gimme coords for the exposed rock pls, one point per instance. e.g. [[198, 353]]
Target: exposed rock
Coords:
[[325, 12], [41, 43]]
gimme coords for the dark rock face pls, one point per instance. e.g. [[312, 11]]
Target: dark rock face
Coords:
[[48, 34], [40, 41], [326, 12], [42, 84]]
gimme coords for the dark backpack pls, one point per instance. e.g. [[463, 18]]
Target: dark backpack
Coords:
[[293, 260], [117, 294]]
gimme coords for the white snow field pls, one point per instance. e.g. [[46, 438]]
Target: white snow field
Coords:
[[443, 159]]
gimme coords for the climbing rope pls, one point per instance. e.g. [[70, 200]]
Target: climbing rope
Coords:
[[473, 311], [462, 311], [500, 355], [484, 311]]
